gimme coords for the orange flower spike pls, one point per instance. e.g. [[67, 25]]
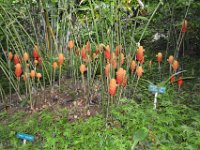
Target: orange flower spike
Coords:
[[120, 75], [122, 58], [184, 26], [18, 70], [139, 71], [132, 66], [159, 57], [71, 44], [83, 53], [10, 56], [35, 61], [26, 56], [118, 50], [114, 64], [82, 68], [175, 65], [35, 52], [16, 59], [54, 65], [107, 52], [87, 47], [32, 74], [38, 75], [171, 59], [180, 82], [140, 54], [112, 87], [60, 59], [107, 70]]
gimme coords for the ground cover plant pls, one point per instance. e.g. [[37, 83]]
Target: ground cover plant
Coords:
[[99, 74]]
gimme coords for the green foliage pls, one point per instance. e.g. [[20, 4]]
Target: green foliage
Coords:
[[169, 127]]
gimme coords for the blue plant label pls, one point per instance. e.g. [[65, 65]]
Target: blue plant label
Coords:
[[156, 89], [26, 137], [162, 90]]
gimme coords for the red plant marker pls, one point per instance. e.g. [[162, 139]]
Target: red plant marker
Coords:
[[180, 82]]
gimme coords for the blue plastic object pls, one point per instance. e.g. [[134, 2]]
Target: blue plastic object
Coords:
[[156, 89], [26, 137]]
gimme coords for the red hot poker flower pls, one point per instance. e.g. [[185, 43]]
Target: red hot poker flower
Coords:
[[140, 54], [10, 56], [120, 76], [60, 59], [107, 70], [16, 59], [107, 53], [18, 70], [184, 26], [83, 53], [35, 52], [132, 66], [112, 87], [159, 57]]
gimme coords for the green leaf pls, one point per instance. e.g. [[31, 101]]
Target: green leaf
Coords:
[[140, 134], [85, 8]]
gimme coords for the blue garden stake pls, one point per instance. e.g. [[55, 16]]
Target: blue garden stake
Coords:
[[156, 90], [25, 137]]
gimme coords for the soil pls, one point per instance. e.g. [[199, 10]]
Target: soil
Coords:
[[70, 96]]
